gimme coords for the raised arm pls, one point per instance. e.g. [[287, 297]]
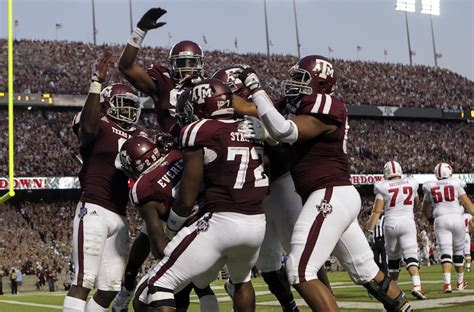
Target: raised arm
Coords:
[[136, 75], [299, 129], [90, 114]]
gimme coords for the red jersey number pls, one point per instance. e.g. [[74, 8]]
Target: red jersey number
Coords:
[[407, 190], [437, 195]]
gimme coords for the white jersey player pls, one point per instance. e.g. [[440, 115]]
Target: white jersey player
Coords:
[[397, 196], [467, 240], [425, 251], [444, 196]]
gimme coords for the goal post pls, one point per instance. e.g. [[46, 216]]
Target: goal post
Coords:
[[11, 151]]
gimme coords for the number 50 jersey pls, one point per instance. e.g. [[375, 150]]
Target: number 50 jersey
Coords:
[[398, 196], [444, 196]]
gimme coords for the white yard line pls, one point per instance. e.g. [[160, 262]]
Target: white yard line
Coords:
[[31, 304]]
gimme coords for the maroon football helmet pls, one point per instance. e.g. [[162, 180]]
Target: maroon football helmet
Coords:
[[121, 103], [211, 98], [186, 58], [312, 74], [235, 84], [137, 155]]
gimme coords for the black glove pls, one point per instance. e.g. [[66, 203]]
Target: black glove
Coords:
[[101, 66], [150, 18]]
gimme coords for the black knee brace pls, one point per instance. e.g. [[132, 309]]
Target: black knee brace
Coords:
[[164, 299], [394, 265], [411, 262], [278, 285], [458, 260], [446, 258], [379, 291]]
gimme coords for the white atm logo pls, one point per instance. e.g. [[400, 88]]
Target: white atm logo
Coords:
[[201, 92]]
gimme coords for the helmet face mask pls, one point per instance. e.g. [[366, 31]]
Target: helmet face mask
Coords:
[[312, 74], [236, 85], [121, 104], [299, 84], [186, 59]]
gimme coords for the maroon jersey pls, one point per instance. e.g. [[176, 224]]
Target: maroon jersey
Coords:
[[233, 169], [101, 182], [161, 183], [169, 91], [322, 161]]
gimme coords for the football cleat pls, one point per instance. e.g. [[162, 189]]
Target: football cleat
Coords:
[[229, 289], [447, 289], [122, 301], [418, 293], [462, 285]]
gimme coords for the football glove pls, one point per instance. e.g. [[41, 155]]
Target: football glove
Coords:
[[150, 19]]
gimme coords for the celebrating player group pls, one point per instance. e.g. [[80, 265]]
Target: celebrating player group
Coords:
[[234, 179]]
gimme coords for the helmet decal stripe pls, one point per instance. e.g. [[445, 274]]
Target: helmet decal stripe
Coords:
[[439, 169], [393, 167]]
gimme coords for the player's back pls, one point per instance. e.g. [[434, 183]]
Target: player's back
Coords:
[[160, 183], [101, 182], [322, 161], [398, 196], [444, 195], [233, 166]]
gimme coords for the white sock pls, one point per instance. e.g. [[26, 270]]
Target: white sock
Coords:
[[93, 306], [208, 303], [447, 278], [72, 304], [468, 265], [416, 280], [460, 277]]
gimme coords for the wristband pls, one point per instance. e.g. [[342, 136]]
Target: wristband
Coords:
[[137, 37], [175, 222], [95, 87]]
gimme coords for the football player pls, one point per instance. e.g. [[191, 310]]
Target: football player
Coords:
[[157, 172], [233, 225], [282, 206], [397, 196], [467, 241], [100, 231], [162, 84], [445, 196], [317, 131]]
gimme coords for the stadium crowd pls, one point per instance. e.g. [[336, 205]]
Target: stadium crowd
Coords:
[[371, 143], [36, 236], [63, 67]]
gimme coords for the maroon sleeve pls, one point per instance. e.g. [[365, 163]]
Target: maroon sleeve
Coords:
[[143, 191], [324, 106], [161, 76], [197, 134]]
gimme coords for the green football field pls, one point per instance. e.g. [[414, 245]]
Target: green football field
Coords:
[[349, 296]]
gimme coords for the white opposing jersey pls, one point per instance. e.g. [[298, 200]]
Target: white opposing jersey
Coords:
[[444, 196], [398, 196], [467, 221]]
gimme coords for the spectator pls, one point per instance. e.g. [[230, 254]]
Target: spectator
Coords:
[[13, 281], [19, 279]]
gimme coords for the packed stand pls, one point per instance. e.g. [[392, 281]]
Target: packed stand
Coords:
[[371, 143], [64, 68]]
